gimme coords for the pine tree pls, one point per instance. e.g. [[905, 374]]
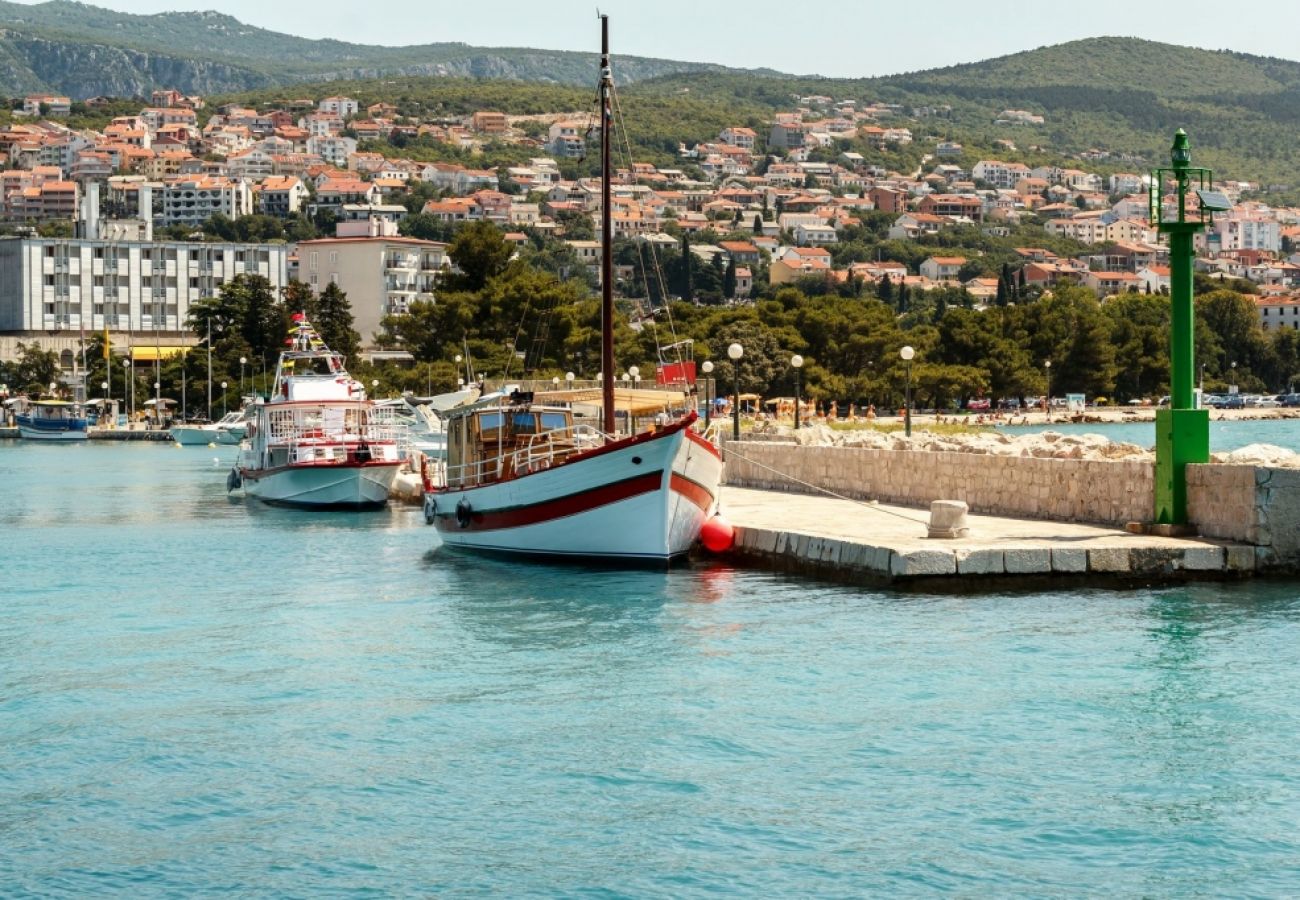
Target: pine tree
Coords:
[[686, 263], [1001, 299], [758, 223], [940, 309], [334, 321], [729, 280], [885, 290]]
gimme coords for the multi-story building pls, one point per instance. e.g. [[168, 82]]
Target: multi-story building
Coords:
[[52, 285], [381, 275], [333, 149], [280, 195], [568, 139], [194, 200], [343, 107]]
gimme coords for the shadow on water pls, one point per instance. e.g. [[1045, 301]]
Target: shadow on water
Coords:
[[542, 605]]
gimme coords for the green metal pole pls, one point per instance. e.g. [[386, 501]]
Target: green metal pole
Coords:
[[1182, 353]]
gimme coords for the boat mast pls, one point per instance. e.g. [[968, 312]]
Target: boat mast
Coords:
[[606, 234]]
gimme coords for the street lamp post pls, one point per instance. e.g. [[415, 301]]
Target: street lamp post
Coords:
[[1234, 378], [108, 401], [707, 369], [734, 353], [223, 399], [907, 353], [797, 362], [1047, 367], [209, 321], [243, 361], [157, 403], [568, 380], [129, 376]]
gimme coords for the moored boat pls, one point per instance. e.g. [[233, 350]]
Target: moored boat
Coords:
[[318, 442], [52, 420], [230, 429], [522, 478]]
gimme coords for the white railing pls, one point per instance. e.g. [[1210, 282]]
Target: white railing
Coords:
[[322, 424]]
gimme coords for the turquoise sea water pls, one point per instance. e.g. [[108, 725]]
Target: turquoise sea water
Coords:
[[200, 696], [1225, 435]]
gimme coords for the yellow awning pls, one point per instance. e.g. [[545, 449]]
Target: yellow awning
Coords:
[[149, 354], [636, 402]]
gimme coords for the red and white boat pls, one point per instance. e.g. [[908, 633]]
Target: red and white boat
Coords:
[[522, 478], [318, 442]]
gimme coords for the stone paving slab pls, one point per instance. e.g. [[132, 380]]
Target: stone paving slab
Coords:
[[847, 538]]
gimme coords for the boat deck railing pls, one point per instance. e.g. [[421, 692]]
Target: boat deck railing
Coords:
[[324, 424]]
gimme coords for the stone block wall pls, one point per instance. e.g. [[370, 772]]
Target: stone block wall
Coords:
[[1259, 505], [1105, 491]]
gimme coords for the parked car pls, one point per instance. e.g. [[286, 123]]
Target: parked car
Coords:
[[979, 403], [1290, 399], [1265, 402], [1227, 401]]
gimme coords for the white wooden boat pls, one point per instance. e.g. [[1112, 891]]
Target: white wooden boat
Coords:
[[524, 479]]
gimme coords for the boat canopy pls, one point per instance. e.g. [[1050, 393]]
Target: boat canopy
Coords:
[[626, 400]]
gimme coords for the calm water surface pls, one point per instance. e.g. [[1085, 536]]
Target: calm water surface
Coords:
[[200, 696], [1225, 435]]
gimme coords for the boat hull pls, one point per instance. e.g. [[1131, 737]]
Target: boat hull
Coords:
[[346, 486], [193, 435], [639, 499], [52, 430]]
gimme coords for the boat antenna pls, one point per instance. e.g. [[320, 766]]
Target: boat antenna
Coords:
[[606, 235]]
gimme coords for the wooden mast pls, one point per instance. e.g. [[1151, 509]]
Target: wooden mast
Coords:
[[606, 235]]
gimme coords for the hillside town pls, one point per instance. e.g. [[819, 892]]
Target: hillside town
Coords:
[[104, 226]]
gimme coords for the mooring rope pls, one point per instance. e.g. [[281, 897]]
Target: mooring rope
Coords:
[[827, 491]]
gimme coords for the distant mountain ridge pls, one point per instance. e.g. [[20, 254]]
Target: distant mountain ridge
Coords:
[[84, 51]]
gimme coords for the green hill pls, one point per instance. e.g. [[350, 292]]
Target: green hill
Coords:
[[84, 51], [1122, 95]]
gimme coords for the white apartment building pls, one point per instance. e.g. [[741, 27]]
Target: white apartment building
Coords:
[[1249, 233], [343, 107], [334, 150], [381, 275], [194, 200], [568, 139], [51, 284]]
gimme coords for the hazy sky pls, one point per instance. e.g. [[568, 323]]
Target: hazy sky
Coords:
[[849, 38]]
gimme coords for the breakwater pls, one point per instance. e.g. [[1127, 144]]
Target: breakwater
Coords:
[[1244, 505]]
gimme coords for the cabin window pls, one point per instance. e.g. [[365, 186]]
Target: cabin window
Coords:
[[523, 423], [553, 421]]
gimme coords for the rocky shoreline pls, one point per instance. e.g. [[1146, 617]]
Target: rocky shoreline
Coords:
[[1042, 445]]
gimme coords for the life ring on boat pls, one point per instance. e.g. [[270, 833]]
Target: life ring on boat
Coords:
[[430, 510], [233, 480], [464, 513]]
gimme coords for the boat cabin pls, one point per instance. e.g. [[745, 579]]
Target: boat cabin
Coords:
[[505, 437]]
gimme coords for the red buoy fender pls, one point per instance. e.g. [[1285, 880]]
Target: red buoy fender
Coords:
[[717, 535]]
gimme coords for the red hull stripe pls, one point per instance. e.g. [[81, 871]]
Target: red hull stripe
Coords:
[[707, 445], [692, 491], [570, 505]]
